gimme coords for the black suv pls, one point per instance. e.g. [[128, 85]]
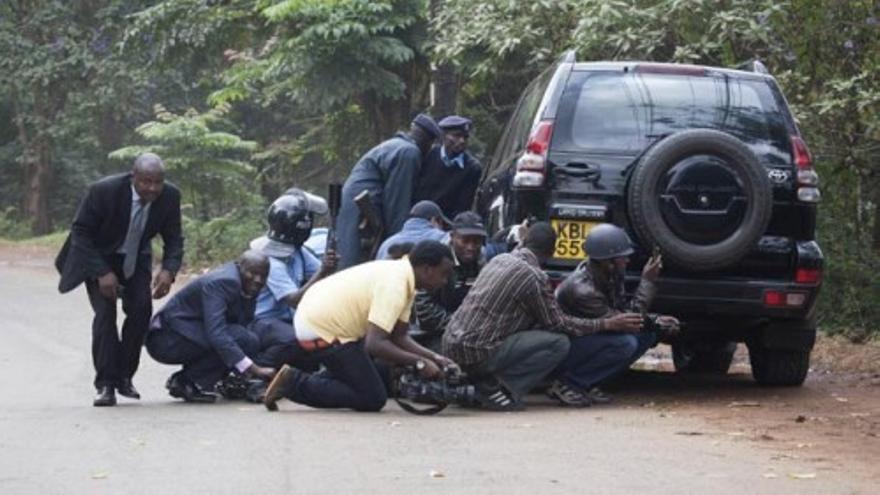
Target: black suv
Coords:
[[704, 164]]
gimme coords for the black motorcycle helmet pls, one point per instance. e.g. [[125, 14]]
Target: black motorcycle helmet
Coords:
[[290, 218], [607, 241]]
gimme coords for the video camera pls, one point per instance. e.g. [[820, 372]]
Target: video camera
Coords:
[[453, 388]]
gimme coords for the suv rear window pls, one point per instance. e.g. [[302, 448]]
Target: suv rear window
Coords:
[[619, 112]]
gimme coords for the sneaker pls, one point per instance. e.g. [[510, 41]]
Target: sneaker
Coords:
[[283, 381], [567, 395], [496, 398], [597, 396]]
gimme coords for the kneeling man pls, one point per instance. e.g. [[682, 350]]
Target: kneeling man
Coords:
[[351, 316], [208, 327]]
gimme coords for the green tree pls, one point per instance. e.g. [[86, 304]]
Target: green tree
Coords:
[[210, 165], [61, 80]]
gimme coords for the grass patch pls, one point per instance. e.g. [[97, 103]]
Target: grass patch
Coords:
[[49, 241]]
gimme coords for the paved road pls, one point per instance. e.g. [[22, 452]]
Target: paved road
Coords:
[[53, 441]]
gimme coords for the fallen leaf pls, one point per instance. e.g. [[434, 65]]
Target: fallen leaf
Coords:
[[100, 475], [689, 433], [436, 474], [802, 476], [744, 404]]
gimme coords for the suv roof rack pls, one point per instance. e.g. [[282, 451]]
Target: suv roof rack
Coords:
[[754, 65]]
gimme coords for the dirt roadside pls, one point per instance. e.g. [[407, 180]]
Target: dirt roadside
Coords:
[[832, 423]]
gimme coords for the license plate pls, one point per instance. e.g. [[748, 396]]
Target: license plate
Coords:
[[570, 235]]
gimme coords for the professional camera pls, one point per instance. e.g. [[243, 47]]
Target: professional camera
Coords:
[[453, 388]]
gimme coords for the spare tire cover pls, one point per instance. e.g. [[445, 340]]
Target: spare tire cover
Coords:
[[701, 196]]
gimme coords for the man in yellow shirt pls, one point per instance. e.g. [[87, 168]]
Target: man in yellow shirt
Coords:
[[357, 313]]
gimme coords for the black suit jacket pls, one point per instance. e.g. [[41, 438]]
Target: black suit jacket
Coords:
[[101, 225], [203, 310]]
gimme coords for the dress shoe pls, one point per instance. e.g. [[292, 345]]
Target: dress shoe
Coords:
[[278, 387], [106, 397], [182, 388], [126, 389]]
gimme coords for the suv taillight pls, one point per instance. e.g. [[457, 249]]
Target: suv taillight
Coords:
[[807, 178], [531, 168], [808, 276]]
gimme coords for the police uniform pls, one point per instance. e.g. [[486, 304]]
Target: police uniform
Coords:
[[449, 181]]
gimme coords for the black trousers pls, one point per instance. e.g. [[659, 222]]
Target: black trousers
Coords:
[[350, 380], [117, 357], [267, 342]]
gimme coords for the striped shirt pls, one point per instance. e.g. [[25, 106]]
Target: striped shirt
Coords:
[[510, 295]]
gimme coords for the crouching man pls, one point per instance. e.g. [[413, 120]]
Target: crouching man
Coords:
[[359, 313], [510, 333], [208, 328], [596, 290]]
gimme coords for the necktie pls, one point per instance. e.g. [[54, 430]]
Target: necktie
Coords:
[[133, 238]]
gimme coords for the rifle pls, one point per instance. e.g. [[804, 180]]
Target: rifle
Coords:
[[370, 228], [334, 195]]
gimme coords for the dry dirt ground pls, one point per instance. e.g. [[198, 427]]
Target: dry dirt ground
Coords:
[[830, 425]]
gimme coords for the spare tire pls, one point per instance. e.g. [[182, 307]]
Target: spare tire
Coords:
[[702, 197]]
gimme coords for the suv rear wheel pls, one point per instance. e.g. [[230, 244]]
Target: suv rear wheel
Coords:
[[778, 367], [703, 357], [701, 196]]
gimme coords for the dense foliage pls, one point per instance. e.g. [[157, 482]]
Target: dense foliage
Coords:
[[247, 97]]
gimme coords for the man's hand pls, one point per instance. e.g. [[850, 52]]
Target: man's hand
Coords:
[[261, 372], [431, 371], [162, 284], [669, 322], [328, 263], [624, 322], [108, 284], [444, 362], [652, 268]]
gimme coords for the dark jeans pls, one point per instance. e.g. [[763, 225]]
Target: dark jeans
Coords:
[[277, 343], [523, 360], [201, 365], [350, 380], [595, 358], [116, 358]]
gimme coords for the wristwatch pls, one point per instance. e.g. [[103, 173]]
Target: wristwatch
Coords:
[[421, 364]]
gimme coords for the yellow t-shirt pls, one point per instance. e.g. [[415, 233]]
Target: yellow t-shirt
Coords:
[[340, 306]]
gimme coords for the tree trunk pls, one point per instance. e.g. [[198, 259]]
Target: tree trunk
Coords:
[[876, 234], [38, 176], [444, 80]]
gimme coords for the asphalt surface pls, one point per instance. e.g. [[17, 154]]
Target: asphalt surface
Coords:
[[53, 441]]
